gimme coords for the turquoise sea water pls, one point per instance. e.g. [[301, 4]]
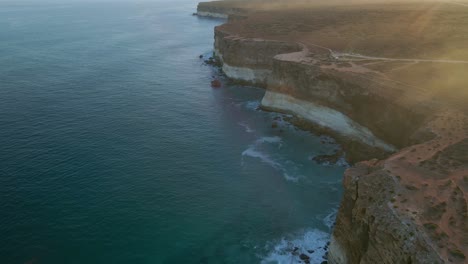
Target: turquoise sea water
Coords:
[[115, 149]]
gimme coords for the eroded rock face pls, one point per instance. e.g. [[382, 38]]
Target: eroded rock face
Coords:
[[410, 207], [317, 78], [247, 59], [293, 70], [367, 230]]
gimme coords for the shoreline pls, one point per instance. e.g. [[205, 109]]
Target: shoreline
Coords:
[[394, 142]]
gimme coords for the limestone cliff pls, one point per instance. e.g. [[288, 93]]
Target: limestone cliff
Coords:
[[411, 207], [408, 207], [248, 59], [306, 84]]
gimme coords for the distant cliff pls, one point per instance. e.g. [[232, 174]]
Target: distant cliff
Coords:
[[209, 9]]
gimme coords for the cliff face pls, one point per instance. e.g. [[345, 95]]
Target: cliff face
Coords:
[[312, 80], [249, 59], [367, 231], [410, 207]]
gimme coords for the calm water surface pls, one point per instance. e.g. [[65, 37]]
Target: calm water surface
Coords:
[[115, 149]]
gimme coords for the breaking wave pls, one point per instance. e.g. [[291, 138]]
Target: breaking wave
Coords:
[[311, 245], [248, 129], [254, 151]]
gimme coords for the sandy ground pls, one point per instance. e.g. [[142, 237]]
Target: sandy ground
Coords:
[[433, 177]]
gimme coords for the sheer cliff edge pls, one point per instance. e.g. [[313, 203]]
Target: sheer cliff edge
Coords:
[[389, 82]]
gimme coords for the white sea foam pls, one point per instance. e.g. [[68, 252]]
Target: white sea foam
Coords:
[[291, 178], [254, 153], [247, 127], [287, 250], [288, 168], [252, 105], [342, 162], [274, 139], [330, 219]]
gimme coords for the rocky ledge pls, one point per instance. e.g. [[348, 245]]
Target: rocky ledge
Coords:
[[405, 199]]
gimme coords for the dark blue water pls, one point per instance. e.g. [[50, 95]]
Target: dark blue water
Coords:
[[115, 149]]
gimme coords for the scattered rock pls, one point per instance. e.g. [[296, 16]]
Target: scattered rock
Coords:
[[311, 251], [215, 84], [328, 159], [201, 56], [213, 62], [304, 257]]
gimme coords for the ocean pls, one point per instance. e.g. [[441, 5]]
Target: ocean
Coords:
[[115, 148]]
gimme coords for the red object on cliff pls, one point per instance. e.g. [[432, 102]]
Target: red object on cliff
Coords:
[[215, 84]]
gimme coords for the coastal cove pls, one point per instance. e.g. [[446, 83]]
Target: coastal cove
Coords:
[[118, 150]]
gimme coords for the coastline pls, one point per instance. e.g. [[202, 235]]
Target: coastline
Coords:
[[211, 14], [382, 133]]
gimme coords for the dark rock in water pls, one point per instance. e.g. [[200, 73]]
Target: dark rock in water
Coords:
[[328, 159], [213, 62], [324, 262], [311, 251], [295, 249], [201, 56], [274, 125], [215, 84], [304, 257]]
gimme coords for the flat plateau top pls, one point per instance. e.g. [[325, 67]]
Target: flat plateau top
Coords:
[[421, 45]]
